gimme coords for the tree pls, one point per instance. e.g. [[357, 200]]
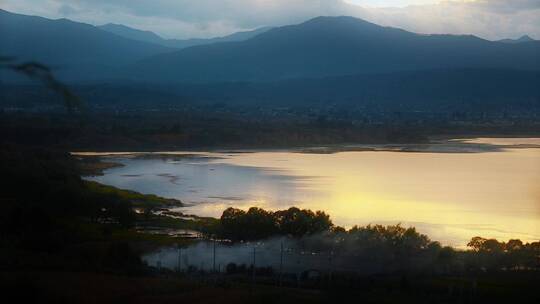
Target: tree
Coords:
[[476, 243], [259, 224], [514, 245], [231, 222], [297, 223]]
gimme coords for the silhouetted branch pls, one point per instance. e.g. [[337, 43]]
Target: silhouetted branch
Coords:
[[42, 73]]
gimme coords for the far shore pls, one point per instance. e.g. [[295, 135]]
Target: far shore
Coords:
[[458, 144]]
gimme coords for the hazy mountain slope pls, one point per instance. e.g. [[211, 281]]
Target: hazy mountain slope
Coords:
[[148, 36], [74, 49], [332, 46], [521, 39], [428, 89], [239, 36], [438, 91], [131, 33]]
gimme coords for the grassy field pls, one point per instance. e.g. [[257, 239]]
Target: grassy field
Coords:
[[82, 287], [136, 199]]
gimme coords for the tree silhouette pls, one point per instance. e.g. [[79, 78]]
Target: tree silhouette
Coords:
[[43, 74]]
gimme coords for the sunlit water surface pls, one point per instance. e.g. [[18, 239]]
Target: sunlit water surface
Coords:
[[449, 196]]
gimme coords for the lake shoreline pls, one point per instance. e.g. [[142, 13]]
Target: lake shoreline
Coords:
[[289, 175], [436, 145], [273, 147]]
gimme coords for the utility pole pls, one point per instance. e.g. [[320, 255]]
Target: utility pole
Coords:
[[159, 261], [214, 259], [253, 272], [330, 268], [179, 258], [281, 264]]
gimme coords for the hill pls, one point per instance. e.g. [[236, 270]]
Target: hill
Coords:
[[148, 36], [76, 50], [332, 46], [521, 39], [131, 33]]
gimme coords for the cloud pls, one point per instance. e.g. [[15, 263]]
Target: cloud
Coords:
[[504, 6], [241, 13], [391, 3], [493, 19], [66, 10]]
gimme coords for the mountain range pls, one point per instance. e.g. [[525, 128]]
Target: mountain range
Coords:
[[524, 38], [333, 46], [72, 48], [320, 47], [151, 37], [334, 58], [79, 51]]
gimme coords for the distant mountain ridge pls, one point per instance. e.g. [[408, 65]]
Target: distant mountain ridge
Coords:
[[524, 38], [307, 60], [79, 51], [75, 50], [151, 37], [131, 33], [332, 46]]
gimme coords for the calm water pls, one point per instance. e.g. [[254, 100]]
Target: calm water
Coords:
[[487, 187]]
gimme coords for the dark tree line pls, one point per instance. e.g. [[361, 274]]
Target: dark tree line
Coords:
[[490, 254], [258, 223], [375, 248]]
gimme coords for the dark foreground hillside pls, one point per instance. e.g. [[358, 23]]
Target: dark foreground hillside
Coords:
[[80, 287]]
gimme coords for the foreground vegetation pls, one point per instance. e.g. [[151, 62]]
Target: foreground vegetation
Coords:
[[383, 249], [87, 287], [61, 235], [51, 217], [144, 201]]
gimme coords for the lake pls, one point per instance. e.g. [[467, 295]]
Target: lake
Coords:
[[451, 190]]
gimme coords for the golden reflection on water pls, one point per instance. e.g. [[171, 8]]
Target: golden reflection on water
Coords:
[[450, 196]]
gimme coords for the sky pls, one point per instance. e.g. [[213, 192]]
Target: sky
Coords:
[[490, 19]]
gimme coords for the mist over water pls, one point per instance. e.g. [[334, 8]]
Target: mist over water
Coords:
[[287, 254], [483, 187], [201, 255]]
